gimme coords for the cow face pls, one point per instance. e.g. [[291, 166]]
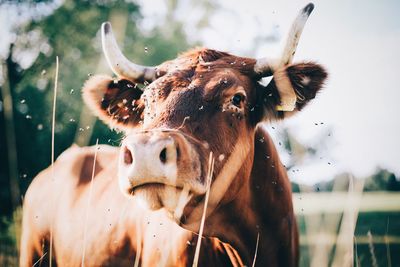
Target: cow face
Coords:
[[204, 104], [204, 101]]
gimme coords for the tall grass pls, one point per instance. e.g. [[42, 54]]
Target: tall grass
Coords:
[[53, 126]]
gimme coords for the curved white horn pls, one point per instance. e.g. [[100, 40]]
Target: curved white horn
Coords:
[[119, 64], [295, 33], [267, 66]]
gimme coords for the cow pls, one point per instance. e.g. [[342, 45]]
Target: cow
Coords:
[[195, 166]]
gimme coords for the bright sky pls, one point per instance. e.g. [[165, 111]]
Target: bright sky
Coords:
[[357, 41]]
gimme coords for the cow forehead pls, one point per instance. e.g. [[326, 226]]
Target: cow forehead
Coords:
[[226, 78], [202, 60], [211, 78]]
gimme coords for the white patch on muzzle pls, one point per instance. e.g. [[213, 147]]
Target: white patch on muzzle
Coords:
[[160, 183]]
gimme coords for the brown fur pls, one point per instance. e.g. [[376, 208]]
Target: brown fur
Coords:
[[192, 95]]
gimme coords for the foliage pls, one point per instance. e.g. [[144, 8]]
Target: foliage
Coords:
[[381, 180]]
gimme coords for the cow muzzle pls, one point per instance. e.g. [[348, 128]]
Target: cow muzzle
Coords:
[[160, 167]]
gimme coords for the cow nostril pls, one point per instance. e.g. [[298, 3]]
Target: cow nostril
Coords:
[[128, 159], [163, 155], [178, 152]]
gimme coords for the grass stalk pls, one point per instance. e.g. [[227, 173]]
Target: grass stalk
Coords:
[[255, 253], [209, 178], [53, 123]]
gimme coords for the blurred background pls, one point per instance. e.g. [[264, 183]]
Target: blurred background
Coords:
[[341, 152]]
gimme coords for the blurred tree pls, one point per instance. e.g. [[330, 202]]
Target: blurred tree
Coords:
[[382, 180], [393, 184]]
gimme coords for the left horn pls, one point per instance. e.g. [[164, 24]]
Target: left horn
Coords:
[[119, 64], [267, 66]]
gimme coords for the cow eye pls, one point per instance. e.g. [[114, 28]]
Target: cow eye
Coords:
[[237, 99]]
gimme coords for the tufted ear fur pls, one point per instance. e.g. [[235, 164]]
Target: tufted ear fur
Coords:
[[116, 102], [306, 79]]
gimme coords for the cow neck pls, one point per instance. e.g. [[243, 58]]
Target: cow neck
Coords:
[[233, 222], [261, 203], [220, 184], [271, 200], [237, 221]]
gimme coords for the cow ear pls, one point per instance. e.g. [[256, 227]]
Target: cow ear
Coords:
[[304, 80], [116, 102]]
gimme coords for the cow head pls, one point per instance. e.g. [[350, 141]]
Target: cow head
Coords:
[[175, 114]]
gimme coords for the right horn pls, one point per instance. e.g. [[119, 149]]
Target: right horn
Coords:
[[119, 64]]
